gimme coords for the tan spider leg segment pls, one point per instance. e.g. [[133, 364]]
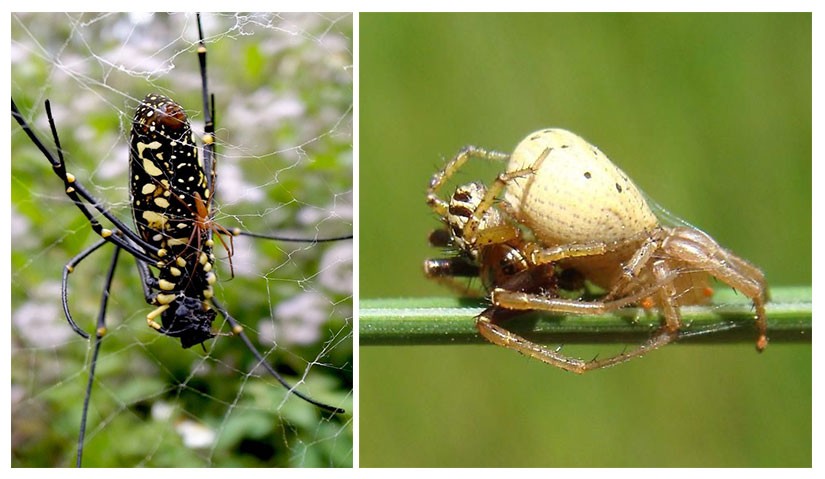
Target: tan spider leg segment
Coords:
[[553, 254], [502, 337], [472, 225], [542, 255], [518, 300], [633, 267], [694, 249], [440, 206], [505, 300], [700, 251]]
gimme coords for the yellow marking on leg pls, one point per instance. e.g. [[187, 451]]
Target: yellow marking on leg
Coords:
[[150, 318], [164, 299]]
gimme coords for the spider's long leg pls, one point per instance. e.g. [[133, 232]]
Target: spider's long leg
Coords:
[[239, 232], [238, 330], [147, 281], [208, 115], [64, 288], [516, 300], [209, 158], [78, 193], [100, 331], [662, 290], [487, 327]]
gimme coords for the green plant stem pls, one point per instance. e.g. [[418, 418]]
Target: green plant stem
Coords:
[[427, 321]]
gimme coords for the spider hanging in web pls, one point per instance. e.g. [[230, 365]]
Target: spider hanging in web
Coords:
[[172, 191]]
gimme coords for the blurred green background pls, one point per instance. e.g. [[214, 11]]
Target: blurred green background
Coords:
[[283, 87], [710, 114]]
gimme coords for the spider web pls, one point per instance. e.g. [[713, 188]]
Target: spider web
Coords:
[[283, 89]]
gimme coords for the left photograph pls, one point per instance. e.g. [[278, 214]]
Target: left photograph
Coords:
[[182, 240]]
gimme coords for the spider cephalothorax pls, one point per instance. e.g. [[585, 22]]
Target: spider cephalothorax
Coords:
[[489, 246]]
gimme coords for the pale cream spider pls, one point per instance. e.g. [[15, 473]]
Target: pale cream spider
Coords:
[[567, 208]]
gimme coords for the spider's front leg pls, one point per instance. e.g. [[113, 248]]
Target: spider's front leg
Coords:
[[438, 180]]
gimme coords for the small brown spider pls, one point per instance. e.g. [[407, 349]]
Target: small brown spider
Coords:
[[567, 208]]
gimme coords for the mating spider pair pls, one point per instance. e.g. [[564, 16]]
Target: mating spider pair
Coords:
[[568, 214], [172, 190]]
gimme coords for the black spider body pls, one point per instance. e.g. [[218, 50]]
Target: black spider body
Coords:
[[170, 192]]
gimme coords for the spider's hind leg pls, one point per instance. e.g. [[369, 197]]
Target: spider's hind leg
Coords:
[[100, 331], [507, 300], [238, 330]]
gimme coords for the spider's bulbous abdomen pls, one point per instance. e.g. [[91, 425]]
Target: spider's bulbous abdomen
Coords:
[[166, 172], [575, 193]]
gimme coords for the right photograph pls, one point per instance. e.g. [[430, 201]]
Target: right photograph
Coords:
[[585, 240]]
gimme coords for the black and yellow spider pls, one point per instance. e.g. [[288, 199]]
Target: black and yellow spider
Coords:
[[172, 189]]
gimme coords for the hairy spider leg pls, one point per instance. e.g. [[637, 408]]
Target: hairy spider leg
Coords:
[[506, 300]]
